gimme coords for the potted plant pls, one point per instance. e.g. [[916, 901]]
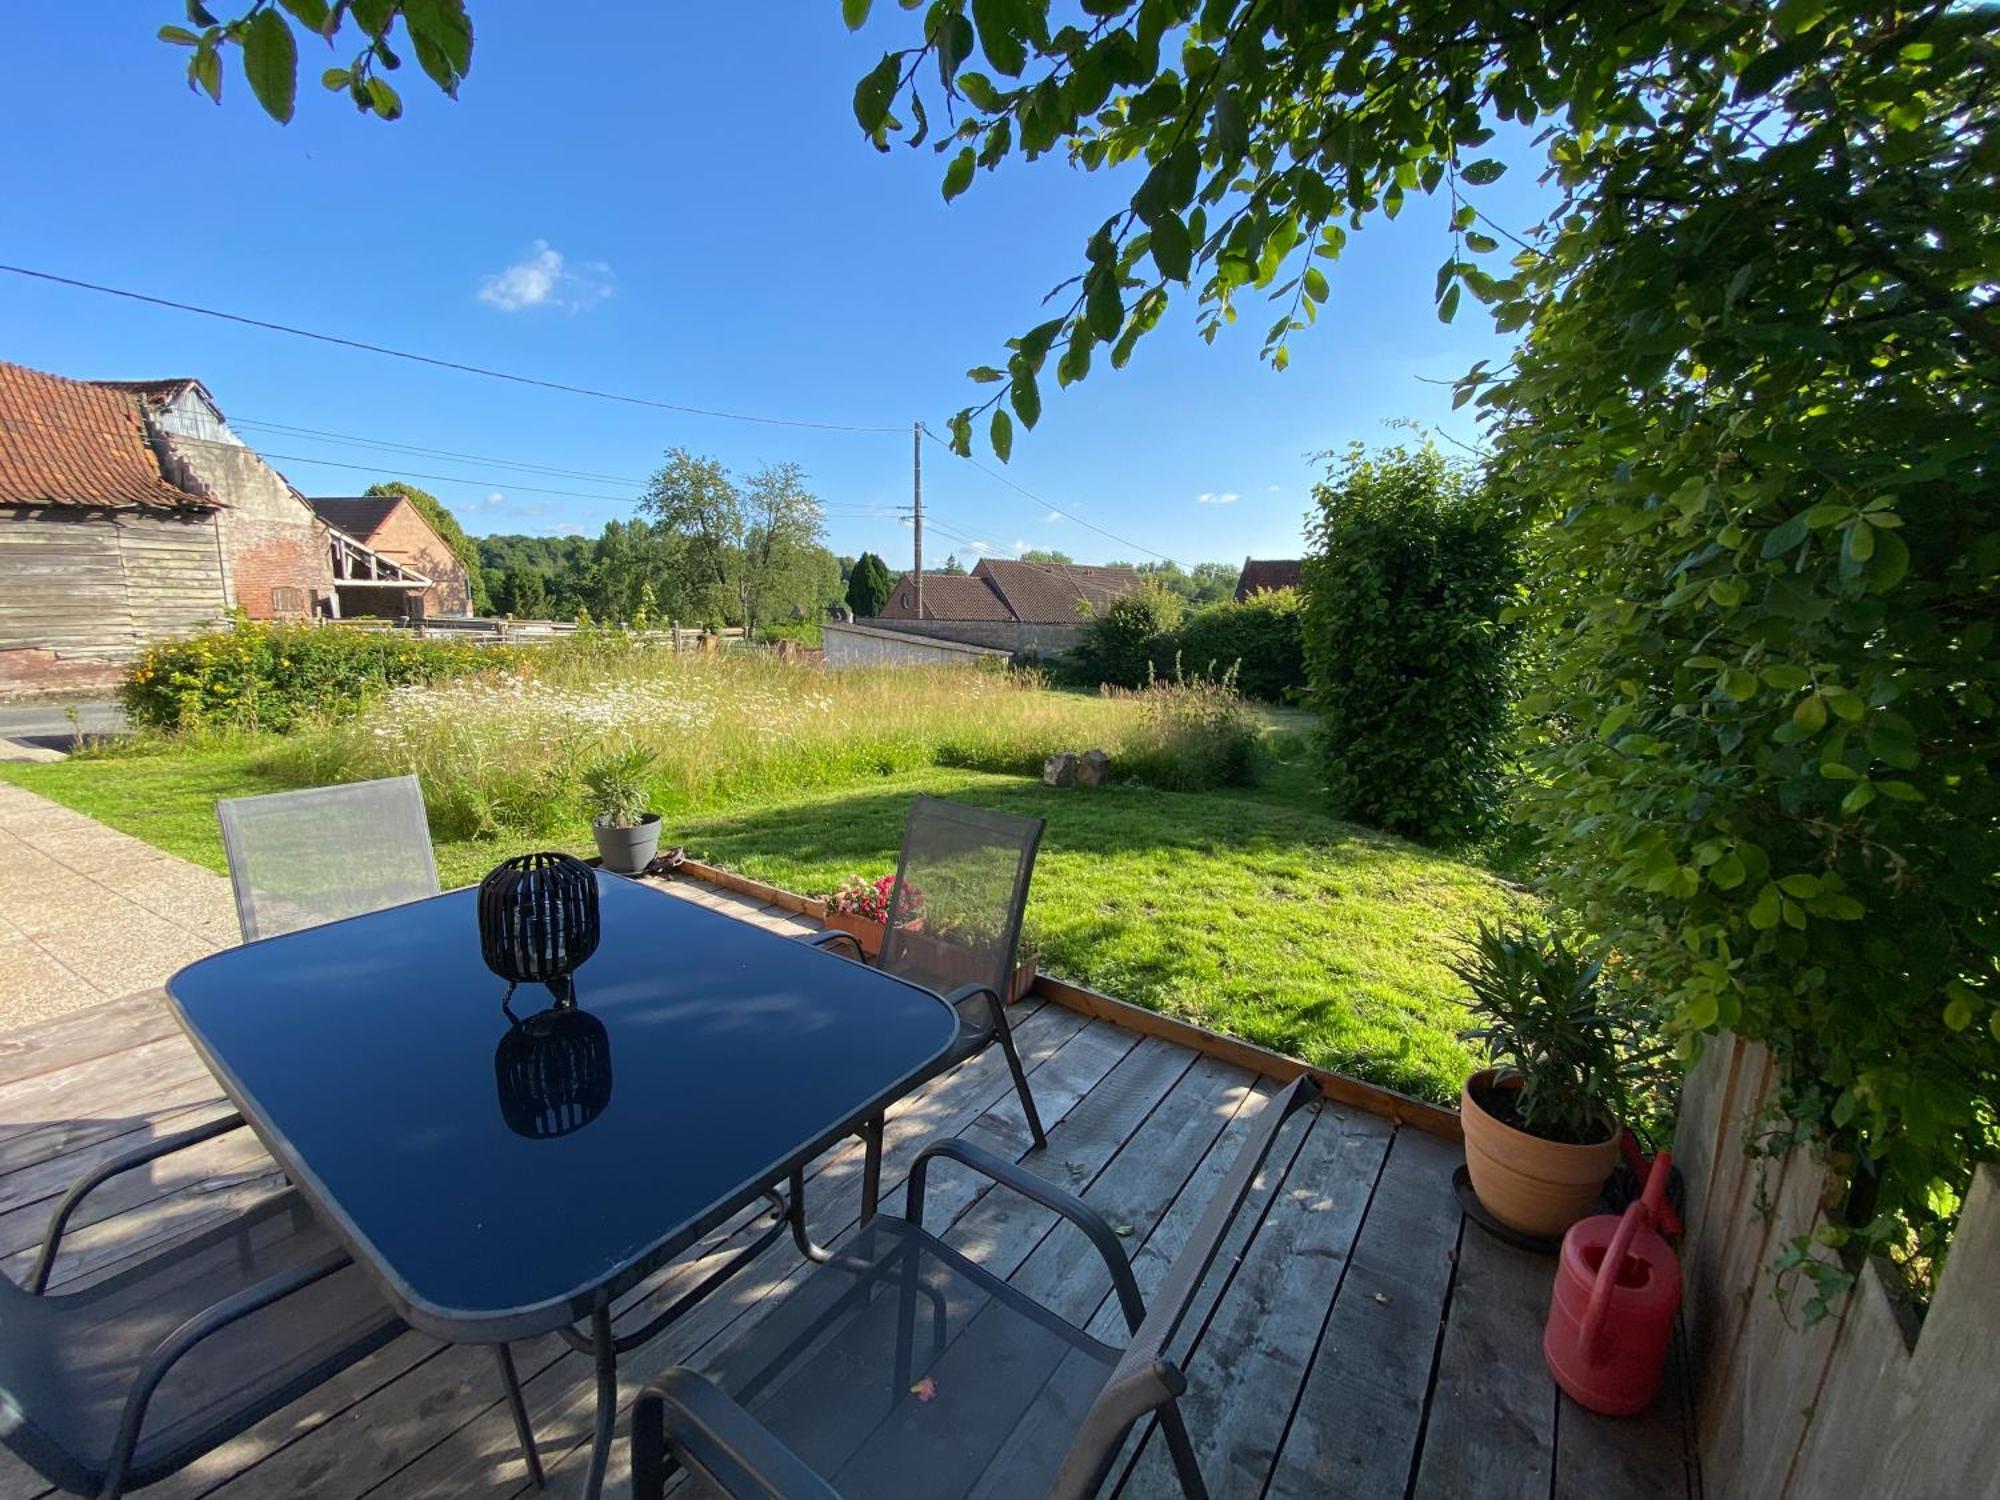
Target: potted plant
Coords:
[[859, 907], [1542, 1125], [627, 834]]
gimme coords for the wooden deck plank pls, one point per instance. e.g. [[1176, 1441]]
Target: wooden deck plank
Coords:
[[1141, 1127], [1361, 1409], [1491, 1430], [1250, 1360]]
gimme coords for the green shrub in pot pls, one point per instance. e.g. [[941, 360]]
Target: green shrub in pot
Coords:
[[627, 833]]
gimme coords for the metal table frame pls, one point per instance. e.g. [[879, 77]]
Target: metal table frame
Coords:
[[781, 1184]]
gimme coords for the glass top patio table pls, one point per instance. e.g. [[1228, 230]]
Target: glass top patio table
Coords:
[[368, 1055]]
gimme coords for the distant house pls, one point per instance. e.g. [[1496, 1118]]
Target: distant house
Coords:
[[393, 528], [1260, 575], [1004, 603], [130, 513]]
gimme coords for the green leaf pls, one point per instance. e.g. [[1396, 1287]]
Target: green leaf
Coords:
[[312, 14], [958, 175], [383, 99], [1480, 244], [985, 374], [876, 92], [1001, 24], [1764, 911], [1001, 435], [1739, 685], [1480, 173], [1958, 1014], [205, 71], [854, 13], [1448, 307], [271, 63], [1026, 397], [442, 34], [1315, 284], [1172, 248], [1783, 537], [1810, 714], [179, 36], [1728, 872]]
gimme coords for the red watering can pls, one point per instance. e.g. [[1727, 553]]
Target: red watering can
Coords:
[[1611, 1314]]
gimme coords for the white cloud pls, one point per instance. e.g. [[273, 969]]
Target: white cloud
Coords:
[[1019, 545], [1274, 489], [1053, 516], [1217, 497], [981, 547], [496, 498], [545, 277]]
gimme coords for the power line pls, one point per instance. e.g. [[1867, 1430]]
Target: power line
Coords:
[[427, 359], [357, 441], [1051, 505]]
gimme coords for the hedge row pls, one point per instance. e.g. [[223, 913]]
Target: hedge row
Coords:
[[1146, 633], [256, 676]]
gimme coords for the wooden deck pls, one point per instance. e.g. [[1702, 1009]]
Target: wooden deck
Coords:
[[1360, 1342]]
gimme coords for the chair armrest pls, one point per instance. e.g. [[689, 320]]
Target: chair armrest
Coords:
[[958, 997], [1040, 1190], [832, 936], [687, 1421], [38, 1279], [210, 1321]]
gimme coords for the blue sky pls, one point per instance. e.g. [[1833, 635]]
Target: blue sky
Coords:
[[670, 201]]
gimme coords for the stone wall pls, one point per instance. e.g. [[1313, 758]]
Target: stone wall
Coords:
[[867, 646], [275, 556], [1000, 635]]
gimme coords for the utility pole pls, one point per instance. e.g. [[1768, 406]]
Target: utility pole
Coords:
[[917, 504]]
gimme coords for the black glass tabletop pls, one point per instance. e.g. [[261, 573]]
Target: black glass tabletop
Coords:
[[497, 1157]]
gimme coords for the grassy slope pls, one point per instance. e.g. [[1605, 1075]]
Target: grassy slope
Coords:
[[1246, 911]]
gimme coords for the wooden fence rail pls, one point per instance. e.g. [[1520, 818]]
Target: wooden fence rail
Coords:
[[1865, 1402]]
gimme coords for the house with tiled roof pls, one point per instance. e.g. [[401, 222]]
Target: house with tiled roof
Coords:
[[1005, 603], [1261, 575], [392, 527], [130, 513]]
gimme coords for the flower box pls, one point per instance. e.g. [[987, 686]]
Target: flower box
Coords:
[[864, 930]]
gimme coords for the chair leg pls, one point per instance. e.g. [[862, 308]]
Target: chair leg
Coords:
[[871, 1168], [1021, 1084], [1182, 1448], [511, 1378]]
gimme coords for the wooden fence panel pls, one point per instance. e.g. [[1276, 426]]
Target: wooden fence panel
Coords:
[[1862, 1403]]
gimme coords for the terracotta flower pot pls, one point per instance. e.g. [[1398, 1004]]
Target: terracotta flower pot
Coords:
[[864, 930], [1538, 1187]]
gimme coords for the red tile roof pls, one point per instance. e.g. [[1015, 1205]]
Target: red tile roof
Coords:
[[360, 516], [1053, 593], [76, 443], [947, 596], [1260, 575]]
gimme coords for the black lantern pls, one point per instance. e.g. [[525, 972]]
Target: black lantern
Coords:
[[538, 920], [554, 1072]]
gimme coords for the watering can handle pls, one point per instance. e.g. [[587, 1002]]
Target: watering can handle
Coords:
[[1607, 1277]]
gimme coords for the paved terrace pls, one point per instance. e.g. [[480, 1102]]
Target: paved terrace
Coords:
[[1360, 1341]]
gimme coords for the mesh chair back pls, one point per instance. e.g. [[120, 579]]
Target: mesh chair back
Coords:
[[961, 890], [298, 859], [1144, 1379]]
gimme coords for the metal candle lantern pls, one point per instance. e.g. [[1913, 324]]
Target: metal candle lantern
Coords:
[[538, 920], [554, 1072]]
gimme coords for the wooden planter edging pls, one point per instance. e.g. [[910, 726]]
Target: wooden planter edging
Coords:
[[756, 890], [1339, 1087], [1374, 1099]]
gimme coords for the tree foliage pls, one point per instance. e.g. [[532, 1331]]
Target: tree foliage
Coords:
[[445, 524], [1408, 579], [868, 586], [1759, 410], [1261, 639], [1120, 644]]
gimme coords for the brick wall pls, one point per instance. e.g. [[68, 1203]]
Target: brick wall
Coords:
[[405, 537], [274, 549]]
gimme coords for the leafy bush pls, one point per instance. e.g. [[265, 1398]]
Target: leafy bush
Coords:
[[1193, 734], [1262, 637], [1122, 645], [804, 632], [275, 677], [1408, 580]]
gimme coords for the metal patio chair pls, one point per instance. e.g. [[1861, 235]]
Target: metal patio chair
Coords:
[[297, 859], [134, 1376], [954, 927], [901, 1367], [300, 859]]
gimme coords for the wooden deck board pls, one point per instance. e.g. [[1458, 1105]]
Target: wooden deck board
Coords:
[[1353, 1340]]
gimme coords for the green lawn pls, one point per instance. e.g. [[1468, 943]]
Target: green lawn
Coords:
[[1247, 911]]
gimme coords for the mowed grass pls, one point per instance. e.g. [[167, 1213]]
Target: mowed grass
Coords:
[[1247, 911]]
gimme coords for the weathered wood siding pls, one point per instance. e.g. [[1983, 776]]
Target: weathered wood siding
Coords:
[[100, 584], [1862, 1403]]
